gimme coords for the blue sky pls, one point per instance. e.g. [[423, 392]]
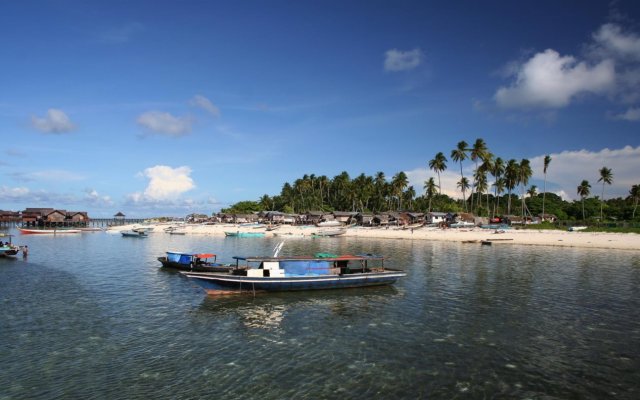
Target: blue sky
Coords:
[[167, 108]]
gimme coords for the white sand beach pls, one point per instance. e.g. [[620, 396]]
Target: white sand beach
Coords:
[[601, 240]]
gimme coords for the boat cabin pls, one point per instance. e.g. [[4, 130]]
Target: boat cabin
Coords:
[[322, 264]]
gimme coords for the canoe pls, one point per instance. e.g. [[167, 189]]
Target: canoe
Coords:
[[244, 234]]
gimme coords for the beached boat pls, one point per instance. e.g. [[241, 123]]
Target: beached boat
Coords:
[[7, 248], [135, 233], [495, 226], [177, 233], [462, 224], [244, 234], [288, 234], [325, 271], [325, 224], [329, 233], [199, 262], [53, 231], [577, 228]]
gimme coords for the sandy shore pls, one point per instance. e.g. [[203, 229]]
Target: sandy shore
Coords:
[[616, 241]]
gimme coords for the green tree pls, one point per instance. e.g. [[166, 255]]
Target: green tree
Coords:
[[525, 173], [438, 164], [547, 161], [478, 152], [511, 173], [459, 154], [635, 196], [430, 190], [398, 183], [606, 176], [584, 189], [463, 184]]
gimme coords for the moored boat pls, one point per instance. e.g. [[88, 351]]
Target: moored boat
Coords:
[[135, 233], [8, 248], [244, 234], [329, 233], [199, 262], [53, 231], [251, 274]]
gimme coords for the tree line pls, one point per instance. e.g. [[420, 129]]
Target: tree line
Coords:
[[509, 193]]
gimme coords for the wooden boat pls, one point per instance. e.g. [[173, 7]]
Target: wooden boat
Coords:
[[177, 233], [328, 224], [251, 274], [462, 224], [8, 248], [54, 231], [199, 262], [577, 228], [135, 233], [244, 234], [329, 233]]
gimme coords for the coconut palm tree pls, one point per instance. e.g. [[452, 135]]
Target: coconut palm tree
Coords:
[[583, 191], [478, 152], [606, 176], [398, 183], [430, 189], [511, 173], [438, 164], [463, 184], [525, 173], [497, 170], [459, 154], [532, 191], [635, 195], [547, 161], [499, 184]]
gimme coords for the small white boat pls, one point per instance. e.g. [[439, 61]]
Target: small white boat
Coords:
[[577, 228], [329, 223], [54, 231], [135, 233]]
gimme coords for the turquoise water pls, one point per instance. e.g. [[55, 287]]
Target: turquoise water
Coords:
[[92, 316]]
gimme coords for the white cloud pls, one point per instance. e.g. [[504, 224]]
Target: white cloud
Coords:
[[612, 41], [165, 123], [205, 104], [549, 80], [166, 184], [13, 194], [94, 198], [56, 121], [398, 60], [632, 114]]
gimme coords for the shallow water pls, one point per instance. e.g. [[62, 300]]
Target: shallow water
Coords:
[[92, 316]]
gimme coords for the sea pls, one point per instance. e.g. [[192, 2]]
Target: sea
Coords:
[[92, 316]]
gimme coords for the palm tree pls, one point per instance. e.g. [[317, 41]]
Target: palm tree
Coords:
[[635, 195], [497, 169], [583, 191], [511, 172], [438, 164], [606, 176], [398, 183], [459, 154], [499, 185], [430, 190], [463, 184], [547, 161], [524, 176], [478, 152], [532, 191]]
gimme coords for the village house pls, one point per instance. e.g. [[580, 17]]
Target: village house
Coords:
[[436, 217], [345, 217], [364, 219]]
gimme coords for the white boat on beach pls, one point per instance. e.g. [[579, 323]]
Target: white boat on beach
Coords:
[[577, 228]]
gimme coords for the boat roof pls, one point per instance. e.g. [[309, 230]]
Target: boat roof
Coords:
[[199, 255], [346, 257]]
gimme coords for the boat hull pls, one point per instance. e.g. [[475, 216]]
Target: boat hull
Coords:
[[47, 231], [204, 267], [215, 283], [244, 234]]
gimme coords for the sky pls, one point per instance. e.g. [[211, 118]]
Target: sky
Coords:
[[157, 108]]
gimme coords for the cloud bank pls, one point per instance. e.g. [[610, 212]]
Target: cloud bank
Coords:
[[566, 171]]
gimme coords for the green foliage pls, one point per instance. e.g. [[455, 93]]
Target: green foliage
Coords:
[[243, 207]]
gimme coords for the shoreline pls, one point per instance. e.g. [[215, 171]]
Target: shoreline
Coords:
[[556, 238]]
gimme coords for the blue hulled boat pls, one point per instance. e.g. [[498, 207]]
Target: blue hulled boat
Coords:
[[251, 274], [199, 262], [244, 234]]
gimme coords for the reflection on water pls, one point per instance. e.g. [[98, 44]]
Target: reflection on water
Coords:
[[92, 316]]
